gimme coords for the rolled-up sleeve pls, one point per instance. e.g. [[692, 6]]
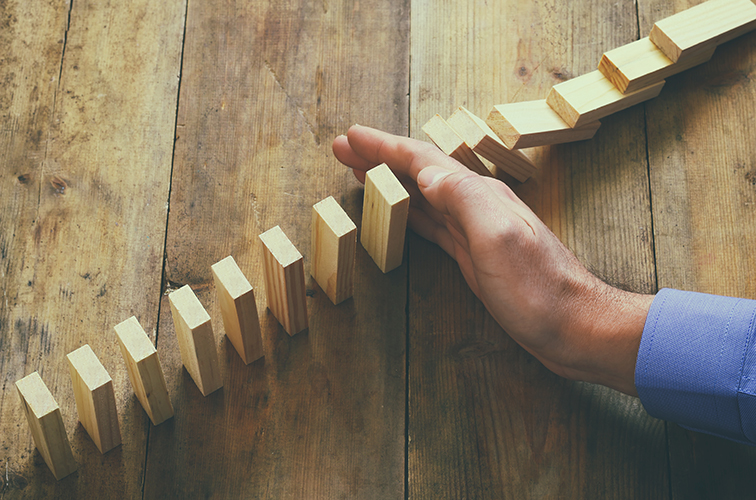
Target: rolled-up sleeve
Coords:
[[696, 364]]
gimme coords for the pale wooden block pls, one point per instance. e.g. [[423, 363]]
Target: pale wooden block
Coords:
[[384, 217], [703, 27], [590, 97], [46, 423], [196, 340], [482, 140], [238, 309], [284, 281], [95, 399], [443, 135], [533, 123], [334, 241], [641, 63], [145, 371]]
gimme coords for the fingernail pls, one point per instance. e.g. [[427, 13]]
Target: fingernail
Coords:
[[431, 175]]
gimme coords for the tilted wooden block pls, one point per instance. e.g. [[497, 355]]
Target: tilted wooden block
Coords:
[[483, 141], [46, 423], [703, 27], [95, 399], [533, 123], [590, 97], [196, 340], [443, 135], [641, 63], [238, 309], [334, 241], [284, 281], [145, 371]]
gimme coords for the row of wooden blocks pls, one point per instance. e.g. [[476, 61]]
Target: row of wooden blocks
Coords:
[[384, 221], [626, 76]]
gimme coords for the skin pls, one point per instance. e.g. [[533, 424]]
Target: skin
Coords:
[[535, 288]]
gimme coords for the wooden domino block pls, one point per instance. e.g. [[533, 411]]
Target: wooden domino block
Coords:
[[590, 97], [46, 425], [144, 369], [444, 136], [641, 63], [482, 140], [95, 399], [533, 123], [284, 281], [196, 340], [238, 309], [384, 217], [334, 241], [703, 27]]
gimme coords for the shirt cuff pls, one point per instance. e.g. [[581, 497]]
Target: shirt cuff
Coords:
[[696, 364]]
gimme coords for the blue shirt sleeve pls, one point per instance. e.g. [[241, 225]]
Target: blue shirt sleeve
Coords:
[[696, 364]]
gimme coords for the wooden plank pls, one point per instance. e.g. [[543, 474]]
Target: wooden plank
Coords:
[[451, 143], [334, 242], [95, 399], [703, 184], [284, 280], [196, 339], [529, 124], [238, 309], [384, 218], [591, 97], [485, 419], [145, 371], [46, 424], [641, 63], [482, 140], [703, 27], [265, 87]]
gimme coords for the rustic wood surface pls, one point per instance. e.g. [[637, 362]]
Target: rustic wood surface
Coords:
[[141, 142]]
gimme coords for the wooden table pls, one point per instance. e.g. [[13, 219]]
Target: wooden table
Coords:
[[143, 141]]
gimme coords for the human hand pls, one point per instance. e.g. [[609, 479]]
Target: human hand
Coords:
[[536, 289]]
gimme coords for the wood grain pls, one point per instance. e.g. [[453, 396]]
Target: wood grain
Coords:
[[333, 244]]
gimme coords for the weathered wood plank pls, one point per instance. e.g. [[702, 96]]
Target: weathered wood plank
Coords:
[[266, 86], [85, 186], [702, 158], [486, 420]]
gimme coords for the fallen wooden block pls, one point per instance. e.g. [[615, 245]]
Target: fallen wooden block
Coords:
[[284, 281], [641, 63], [95, 399], [238, 309], [446, 138], [196, 340], [533, 123], [46, 424], [482, 140], [590, 97], [144, 369], [334, 241], [703, 27], [384, 217]]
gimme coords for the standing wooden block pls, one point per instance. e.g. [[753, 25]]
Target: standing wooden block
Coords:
[[196, 340], [239, 309], [448, 141], [334, 241], [95, 399], [703, 27], [46, 425], [590, 97], [384, 217], [284, 281], [641, 63], [533, 123], [144, 369], [483, 141]]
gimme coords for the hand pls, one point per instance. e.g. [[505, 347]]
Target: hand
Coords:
[[536, 289]]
